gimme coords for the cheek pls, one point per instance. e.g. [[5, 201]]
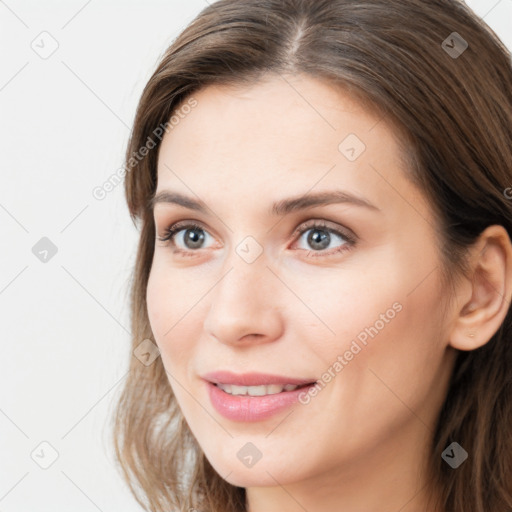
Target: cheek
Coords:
[[385, 316], [337, 306], [158, 303], [170, 313], [402, 367], [170, 324], [176, 307], [396, 370]]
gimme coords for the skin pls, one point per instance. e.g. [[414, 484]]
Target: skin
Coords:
[[362, 443]]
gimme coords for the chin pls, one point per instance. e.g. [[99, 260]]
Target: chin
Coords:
[[261, 474], [249, 478]]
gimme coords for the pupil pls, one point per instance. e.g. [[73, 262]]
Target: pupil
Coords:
[[194, 238], [314, 239]]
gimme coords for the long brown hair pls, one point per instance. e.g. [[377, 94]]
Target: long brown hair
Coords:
[[450, 98]]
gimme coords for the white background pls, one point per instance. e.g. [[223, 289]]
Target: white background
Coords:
[[64, 125]]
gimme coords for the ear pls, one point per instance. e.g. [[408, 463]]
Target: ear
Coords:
[[484, 300]]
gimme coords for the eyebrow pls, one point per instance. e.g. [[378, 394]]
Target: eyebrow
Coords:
[[280, 208]]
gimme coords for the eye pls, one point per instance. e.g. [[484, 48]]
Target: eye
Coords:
[[321, 236], [188, 237], [192, 237]]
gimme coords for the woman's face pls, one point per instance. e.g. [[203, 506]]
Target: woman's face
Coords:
[[354, 304]]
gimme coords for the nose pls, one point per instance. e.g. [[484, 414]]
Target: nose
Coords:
[[245, 304]]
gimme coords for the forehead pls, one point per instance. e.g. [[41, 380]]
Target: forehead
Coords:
[[296, 116], [282, 136]]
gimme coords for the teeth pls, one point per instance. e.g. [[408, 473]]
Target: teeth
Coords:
[[271, 389]]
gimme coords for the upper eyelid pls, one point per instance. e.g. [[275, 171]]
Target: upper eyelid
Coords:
[[320, 223], [304, 226]]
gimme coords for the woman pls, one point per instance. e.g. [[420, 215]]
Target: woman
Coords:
[[324, 263]]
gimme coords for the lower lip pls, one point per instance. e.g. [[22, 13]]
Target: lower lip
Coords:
[[252, 408]]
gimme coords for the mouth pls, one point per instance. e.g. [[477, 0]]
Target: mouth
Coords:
[[254, 380], [254, 397], [262, 390]]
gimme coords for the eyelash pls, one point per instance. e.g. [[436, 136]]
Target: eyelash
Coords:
[[172, 230]]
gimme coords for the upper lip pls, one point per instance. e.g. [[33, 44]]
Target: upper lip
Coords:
[[252, 379]]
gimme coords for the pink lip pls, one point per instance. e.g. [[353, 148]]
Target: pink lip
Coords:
[[252, 408], [252, 379]]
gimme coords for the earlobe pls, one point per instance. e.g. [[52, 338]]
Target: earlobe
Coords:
[[487, 295]]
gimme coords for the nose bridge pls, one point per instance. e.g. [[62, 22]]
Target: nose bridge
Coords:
[[243, 301], [245, 278]]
